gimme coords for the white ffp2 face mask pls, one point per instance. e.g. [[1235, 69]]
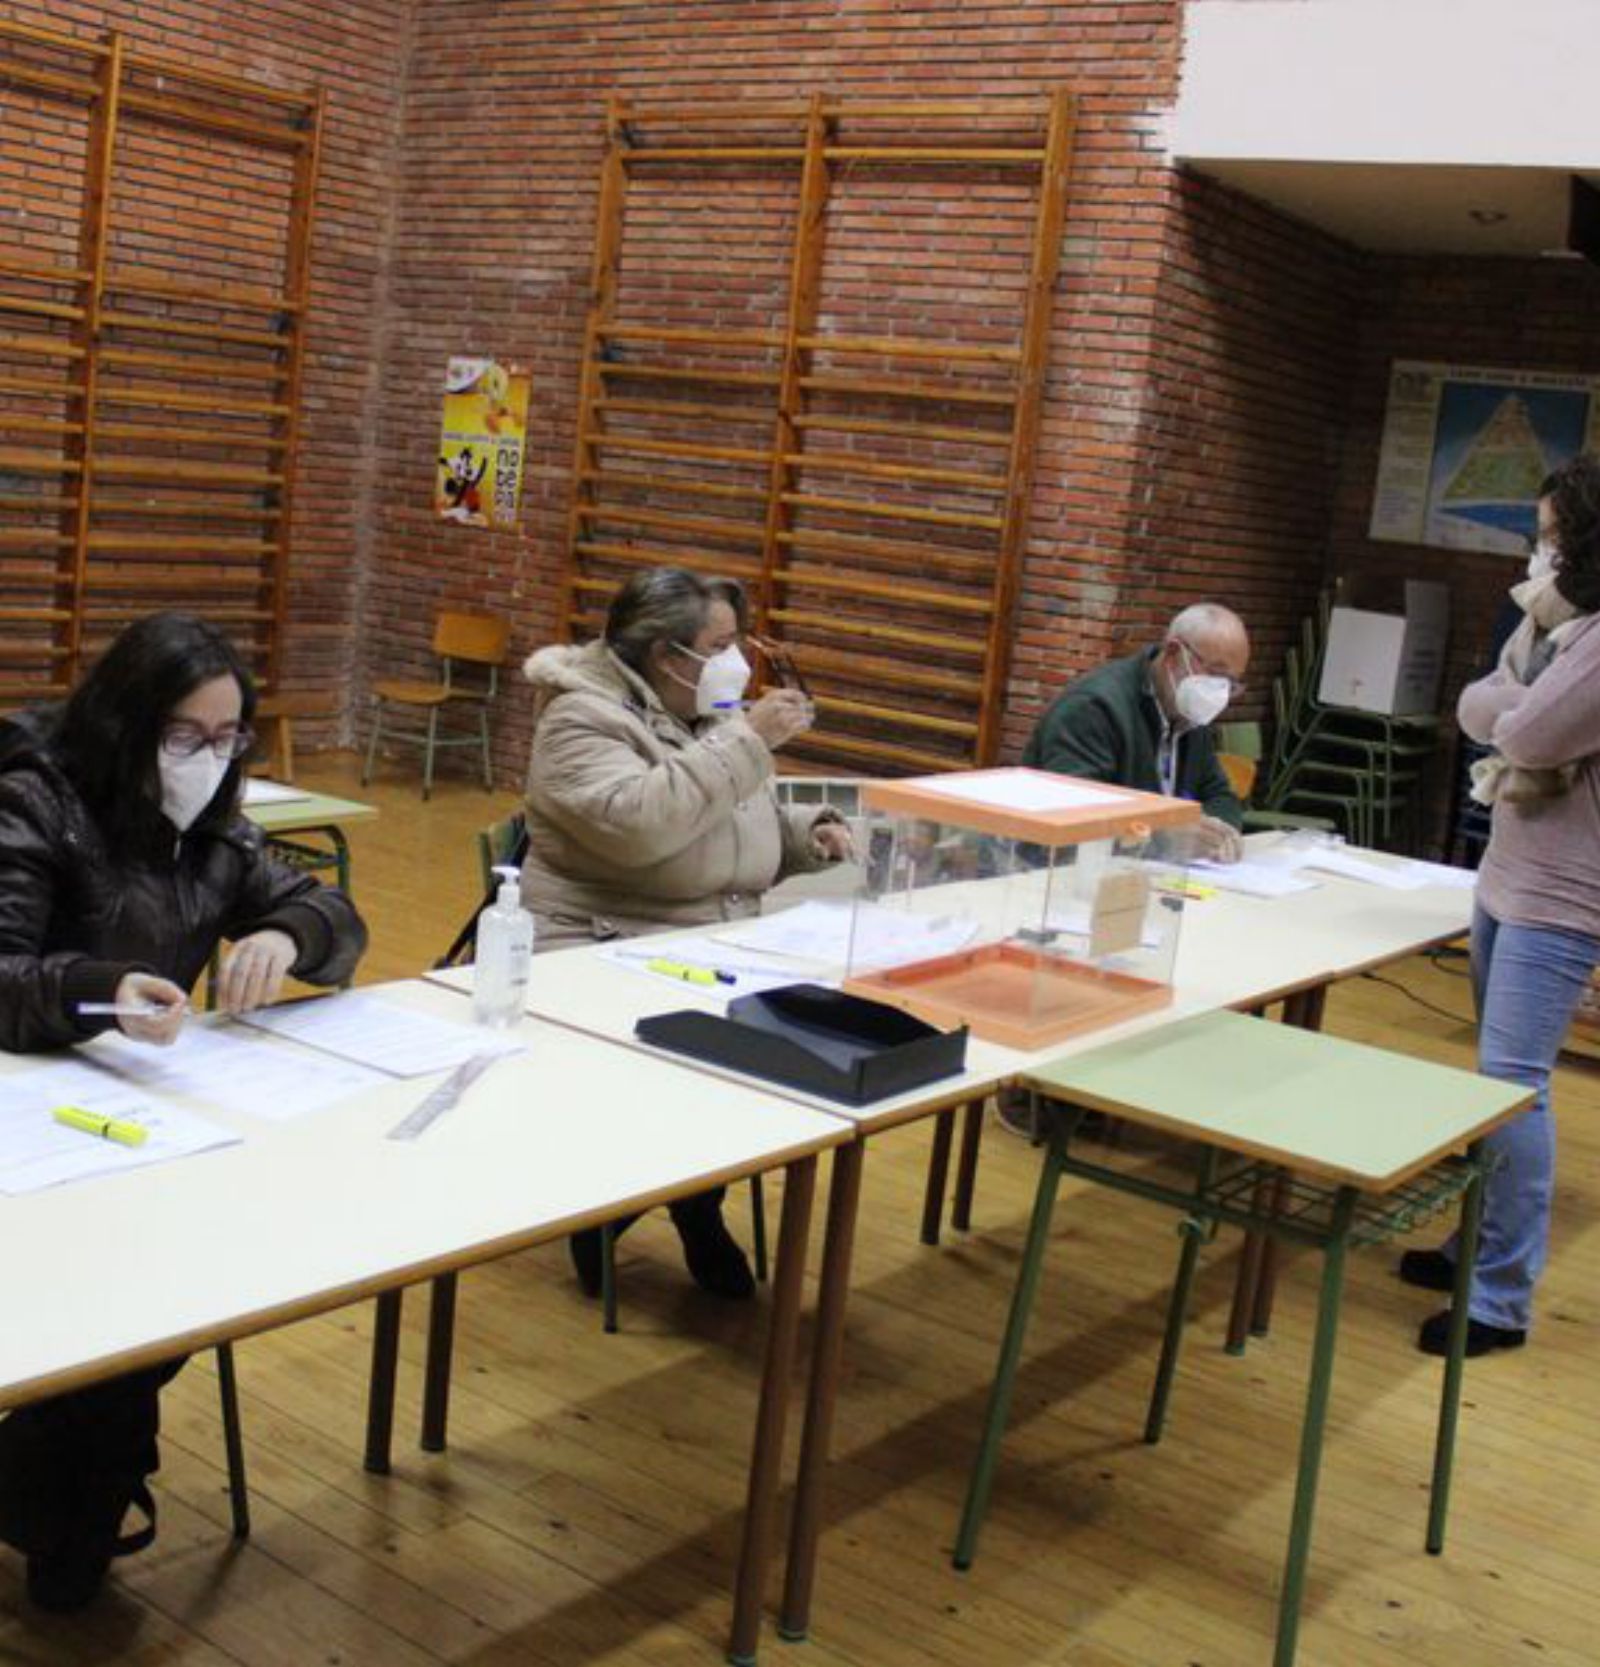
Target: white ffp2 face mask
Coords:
[[724, 677], [188, 785], [1543, 559], [1201, 700]]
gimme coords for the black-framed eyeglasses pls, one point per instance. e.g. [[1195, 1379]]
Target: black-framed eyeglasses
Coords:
[[182, 740], [1235, 687]]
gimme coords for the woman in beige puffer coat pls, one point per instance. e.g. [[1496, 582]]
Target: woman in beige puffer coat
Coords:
[[650, 806]]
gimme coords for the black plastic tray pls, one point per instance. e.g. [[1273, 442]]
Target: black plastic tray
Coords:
[[819, 1040]]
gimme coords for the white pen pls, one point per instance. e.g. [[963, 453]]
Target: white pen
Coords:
[[126, 1009]]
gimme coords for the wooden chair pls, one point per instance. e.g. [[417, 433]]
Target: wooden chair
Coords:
[[459, 639]]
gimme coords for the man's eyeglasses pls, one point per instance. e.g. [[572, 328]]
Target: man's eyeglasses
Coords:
[[185, 740], [1235, 687]]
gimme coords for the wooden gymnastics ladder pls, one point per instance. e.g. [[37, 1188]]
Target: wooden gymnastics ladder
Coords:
[[886, 558]]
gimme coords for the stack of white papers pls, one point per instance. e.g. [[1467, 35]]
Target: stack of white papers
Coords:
[[1253, 878], [259, 791], [37, 1152], [864, 935], [371, 1031], [1024, 790], [238, 1068]]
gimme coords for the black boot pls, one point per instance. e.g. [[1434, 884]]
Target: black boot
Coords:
[[714, 1259]]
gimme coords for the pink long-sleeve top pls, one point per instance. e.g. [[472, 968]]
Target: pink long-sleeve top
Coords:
[[1542, 867]]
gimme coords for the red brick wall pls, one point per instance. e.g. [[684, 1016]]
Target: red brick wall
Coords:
[[1520, 314], [495, 233], [168, 209], [1242, 417]]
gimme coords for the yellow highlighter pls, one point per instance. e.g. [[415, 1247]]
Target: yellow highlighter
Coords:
[[690, 975], [107, 1128]]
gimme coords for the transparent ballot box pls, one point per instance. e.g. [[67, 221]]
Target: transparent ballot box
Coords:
[[1026, 905]]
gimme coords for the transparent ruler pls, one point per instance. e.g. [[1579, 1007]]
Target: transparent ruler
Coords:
[[442, 1098]]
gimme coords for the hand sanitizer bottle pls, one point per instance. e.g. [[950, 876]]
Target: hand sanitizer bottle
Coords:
[[505, 955]]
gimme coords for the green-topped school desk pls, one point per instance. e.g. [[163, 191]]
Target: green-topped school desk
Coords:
[[289, 822], [1373, 1142]]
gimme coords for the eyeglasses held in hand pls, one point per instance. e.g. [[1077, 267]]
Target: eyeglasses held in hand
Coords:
[[780, 662], [185, 740]]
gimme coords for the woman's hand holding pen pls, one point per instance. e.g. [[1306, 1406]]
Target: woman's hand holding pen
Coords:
[[154, 1008], [780, 715]]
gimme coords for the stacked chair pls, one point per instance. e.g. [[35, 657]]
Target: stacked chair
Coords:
[[1361, 771]]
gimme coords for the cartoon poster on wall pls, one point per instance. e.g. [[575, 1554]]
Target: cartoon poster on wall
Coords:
[[481, 441], [1464, 451]]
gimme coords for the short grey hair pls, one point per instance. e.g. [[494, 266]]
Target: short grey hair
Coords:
[[666, 604], [1203, 619]]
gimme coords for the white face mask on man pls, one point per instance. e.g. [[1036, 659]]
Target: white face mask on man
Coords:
[[1200, 698], [189, 784], [724, 677]]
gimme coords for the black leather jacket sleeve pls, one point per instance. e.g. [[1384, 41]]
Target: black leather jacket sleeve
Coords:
[[40, 990]]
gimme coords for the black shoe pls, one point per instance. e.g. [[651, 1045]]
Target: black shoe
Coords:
[[1434, 1338], [65, 1582], [714, 1259], [1431, 1270]]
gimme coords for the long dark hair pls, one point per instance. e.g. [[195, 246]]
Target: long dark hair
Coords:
[[1574, 494], [109, 733]]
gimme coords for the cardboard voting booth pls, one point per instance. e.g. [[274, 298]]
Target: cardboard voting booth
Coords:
[[1388, 662]]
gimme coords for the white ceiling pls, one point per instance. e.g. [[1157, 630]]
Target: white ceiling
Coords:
[[1413, 207]]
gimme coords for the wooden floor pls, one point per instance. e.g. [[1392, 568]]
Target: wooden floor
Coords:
[[589, 1508]]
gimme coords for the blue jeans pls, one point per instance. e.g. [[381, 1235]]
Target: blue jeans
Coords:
[[1526, 981]]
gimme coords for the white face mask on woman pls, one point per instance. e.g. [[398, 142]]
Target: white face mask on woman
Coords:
[[1543, 558], [189, 784], [724, 677]]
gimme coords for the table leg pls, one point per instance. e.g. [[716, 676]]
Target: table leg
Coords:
[[233, 1442], [982, 1482], [827, 1354], [938, 1174], [758, 1226], [436, 1377], [766, 1458], [1267, 1278], [1249, 1274], [608, 1278], [1311, 1430], [380, 1390], [1304, 1011], [967, 1166], [1193, 1231], [1450, 1398]]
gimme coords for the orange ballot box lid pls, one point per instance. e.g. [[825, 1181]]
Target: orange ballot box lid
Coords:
[[1033, 805]]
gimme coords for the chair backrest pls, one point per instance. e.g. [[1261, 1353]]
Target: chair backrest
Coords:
[[499, 843], [480, 638], [1241, 773], [1240, 736]]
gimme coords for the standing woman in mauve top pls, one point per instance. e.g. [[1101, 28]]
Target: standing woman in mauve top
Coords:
[[1536, 928]]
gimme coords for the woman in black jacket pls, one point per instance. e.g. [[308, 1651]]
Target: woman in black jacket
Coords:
[[124, 863]]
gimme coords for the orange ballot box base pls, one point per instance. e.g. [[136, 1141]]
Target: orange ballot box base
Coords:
[[1028, 906]]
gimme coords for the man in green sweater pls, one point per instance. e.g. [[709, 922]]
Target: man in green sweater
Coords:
[[1145, 721]]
